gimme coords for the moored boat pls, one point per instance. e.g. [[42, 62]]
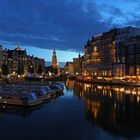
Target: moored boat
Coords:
[[24, 99], [56, 88], [41, 93]]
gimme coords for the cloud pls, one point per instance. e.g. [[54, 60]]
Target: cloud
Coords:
[[49, 24], [63, 24]]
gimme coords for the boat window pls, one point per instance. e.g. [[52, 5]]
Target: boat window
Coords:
[[43, 91], [33, 96]]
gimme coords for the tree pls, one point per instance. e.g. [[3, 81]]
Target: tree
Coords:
[[30, 69], [20, 70], [5, 69], [40, 70], [54, 71]]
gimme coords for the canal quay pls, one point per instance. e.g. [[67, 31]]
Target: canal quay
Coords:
[[84, 112]]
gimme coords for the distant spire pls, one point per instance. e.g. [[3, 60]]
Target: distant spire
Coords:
[[54, 52], [18, 45], [79, 55], [54, 59]]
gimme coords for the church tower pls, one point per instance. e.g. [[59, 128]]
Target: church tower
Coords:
[[54, 59]]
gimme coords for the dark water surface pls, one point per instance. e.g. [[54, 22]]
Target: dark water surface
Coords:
[[84, 112]]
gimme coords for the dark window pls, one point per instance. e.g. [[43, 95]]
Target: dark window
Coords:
[[131, 59], [131, 49]]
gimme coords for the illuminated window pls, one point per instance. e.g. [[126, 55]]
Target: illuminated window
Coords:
[[95, 49]]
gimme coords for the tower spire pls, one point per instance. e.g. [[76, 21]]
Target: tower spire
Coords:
[[54, 59]]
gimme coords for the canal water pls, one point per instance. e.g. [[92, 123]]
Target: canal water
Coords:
[[84, 112]]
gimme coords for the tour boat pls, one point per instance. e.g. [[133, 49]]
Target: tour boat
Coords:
[[41, 93], [56, 88], [25, 99], [34, 87], [60, 84]]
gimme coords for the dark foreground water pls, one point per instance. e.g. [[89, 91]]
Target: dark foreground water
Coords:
[[84, 112]]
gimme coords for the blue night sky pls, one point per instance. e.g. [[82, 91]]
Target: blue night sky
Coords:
[[66, 25]]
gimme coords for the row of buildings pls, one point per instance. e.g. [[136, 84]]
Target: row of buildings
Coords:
[[112, 54], [74, 67], [18, 62], [115, 53]]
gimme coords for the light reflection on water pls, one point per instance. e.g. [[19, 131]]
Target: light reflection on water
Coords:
[[84, 112], [116, 109]]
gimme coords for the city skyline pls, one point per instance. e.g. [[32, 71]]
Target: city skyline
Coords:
[[46, 53], [68, 27]]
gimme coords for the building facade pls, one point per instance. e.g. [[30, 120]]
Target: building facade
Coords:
[[69, 68], [19, 63], [132, 55], [77, 65], [35, 65], [99, 55], [113, 55]]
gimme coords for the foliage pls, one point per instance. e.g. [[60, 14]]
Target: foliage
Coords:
[[52, 70], [20, 70], [31, 69], [5, 69], [40, 70]]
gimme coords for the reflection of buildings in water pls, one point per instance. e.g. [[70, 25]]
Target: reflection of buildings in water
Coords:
[[93, 107], [87, 87], [69, 84], [77, 90], [112, 107], [75, 86]]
